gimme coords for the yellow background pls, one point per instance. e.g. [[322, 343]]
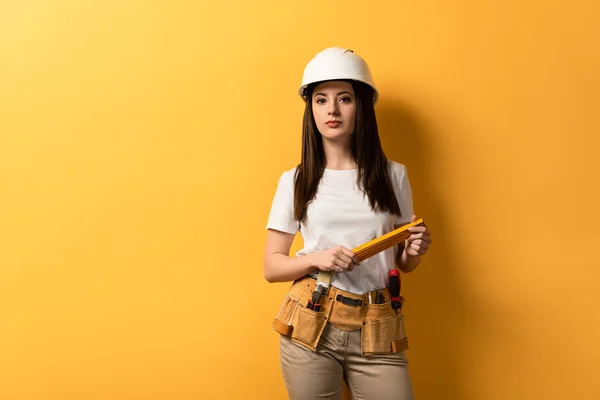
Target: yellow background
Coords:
[[141, 143]]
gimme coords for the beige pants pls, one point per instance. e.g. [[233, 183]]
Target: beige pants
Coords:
[[312, 375]]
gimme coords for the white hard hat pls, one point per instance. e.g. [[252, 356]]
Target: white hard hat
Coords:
[[337, 63]]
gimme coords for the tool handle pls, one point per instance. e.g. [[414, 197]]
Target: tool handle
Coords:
[[394, 279]]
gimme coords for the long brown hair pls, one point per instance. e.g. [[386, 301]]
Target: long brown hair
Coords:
[[373, 170]]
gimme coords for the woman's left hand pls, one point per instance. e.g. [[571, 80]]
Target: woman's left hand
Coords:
[[419, 241]]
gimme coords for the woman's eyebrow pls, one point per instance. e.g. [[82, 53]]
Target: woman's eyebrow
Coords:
[[340, 93]]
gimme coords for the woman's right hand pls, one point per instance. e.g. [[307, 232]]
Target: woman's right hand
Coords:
[[335, 259]]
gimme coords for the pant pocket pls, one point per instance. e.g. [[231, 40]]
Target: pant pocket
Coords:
[[378, 334], [283, 320], [308, 326]]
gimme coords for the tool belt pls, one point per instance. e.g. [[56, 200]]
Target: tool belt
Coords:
[[381, 326]]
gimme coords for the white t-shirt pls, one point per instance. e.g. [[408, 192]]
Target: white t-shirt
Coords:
[[340, 214]]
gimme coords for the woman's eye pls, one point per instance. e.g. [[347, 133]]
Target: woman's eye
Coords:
[[321, 101], [346, 99]]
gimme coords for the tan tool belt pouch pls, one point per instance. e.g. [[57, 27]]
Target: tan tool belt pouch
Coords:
[[382, 327]]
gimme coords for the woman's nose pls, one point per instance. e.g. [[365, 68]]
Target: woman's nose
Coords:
[[333, 108]]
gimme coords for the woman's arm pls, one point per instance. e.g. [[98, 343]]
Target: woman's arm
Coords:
[[405, 262], [278, 266]]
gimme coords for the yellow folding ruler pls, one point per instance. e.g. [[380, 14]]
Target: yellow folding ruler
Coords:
[[369, 249]]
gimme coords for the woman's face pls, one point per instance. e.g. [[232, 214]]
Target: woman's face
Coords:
[[334, 109]]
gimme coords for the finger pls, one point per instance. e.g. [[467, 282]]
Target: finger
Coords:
[[424, 246], [415, 236], [341, 264], [420, 249], [412, 252], [417, 228], [347, 252], [420, 238], [414, 218], [335, 268], [421, 243], [345, 258], [415, 247]]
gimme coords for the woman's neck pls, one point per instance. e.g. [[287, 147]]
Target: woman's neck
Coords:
[[338, 156]]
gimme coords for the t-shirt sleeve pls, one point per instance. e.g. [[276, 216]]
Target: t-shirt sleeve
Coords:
[[281, 216], [404, 195]]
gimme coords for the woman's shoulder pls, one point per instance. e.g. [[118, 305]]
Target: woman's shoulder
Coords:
[[397, 169], [287, 176]]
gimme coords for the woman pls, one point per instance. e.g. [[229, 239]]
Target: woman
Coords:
[[344, 193]]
